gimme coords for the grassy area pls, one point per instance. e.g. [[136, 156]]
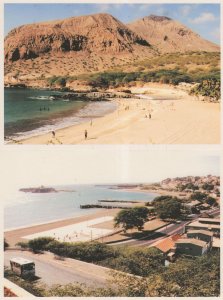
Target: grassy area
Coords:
[[193, 67], [190, 61], [134, 233]]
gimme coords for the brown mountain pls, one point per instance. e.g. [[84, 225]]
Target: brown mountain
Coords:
[[99, 33], [168, 35], [92, 43]]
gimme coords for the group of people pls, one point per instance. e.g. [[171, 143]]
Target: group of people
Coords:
[[150, 116], [44, 108], [85, 134]]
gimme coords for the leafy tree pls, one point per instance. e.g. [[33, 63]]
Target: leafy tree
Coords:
[[140, 262], [86, 251], [211, 201], [189, 185], [131, 218], [199, 196], [167, 207], [210, 87], [208, 186], [199, 277]]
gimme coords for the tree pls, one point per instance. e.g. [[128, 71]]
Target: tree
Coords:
[[167, 207], [211, 201], [210, 87], [208, 186], [198, 277], [199, 196], [131, 218]]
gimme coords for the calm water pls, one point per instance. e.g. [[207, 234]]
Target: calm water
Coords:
[[24, 209], [29, 112]]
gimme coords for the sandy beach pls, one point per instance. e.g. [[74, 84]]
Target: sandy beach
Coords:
[[176, 118], [16, 235]]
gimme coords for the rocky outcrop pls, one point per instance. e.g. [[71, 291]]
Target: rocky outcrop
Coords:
[[41, 189]]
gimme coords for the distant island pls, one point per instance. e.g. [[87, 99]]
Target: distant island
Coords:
[[42, 189]]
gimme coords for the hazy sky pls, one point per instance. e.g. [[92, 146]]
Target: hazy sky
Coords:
[[202, 18], [25, 166]]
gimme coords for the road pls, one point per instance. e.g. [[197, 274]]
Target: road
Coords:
[[171, 229], [52, 271]]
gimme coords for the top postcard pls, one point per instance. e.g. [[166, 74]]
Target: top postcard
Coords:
[[112, 73]]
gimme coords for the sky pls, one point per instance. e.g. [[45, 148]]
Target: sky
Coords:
[[201, 18], [27, 166]]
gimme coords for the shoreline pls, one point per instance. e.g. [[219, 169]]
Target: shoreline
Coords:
[[88, 113], [159, 192], [16, 235], [47, 222], [180, 118]]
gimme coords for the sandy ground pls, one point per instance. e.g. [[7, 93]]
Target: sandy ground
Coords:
[[17, 235], [80, 232], [176, 118]]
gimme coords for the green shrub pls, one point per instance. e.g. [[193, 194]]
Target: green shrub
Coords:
[[39, 244]]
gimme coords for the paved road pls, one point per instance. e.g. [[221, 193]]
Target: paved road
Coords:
[[52, 271], [173, 228]]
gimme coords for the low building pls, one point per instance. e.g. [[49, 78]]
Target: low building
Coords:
[[203, 235], [202, 225], [167, 246], [214, 221], [191, 247]]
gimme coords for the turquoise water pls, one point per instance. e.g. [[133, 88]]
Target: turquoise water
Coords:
[[29, 112], [24, 209]]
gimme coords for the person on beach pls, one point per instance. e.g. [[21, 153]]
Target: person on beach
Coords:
[[150, 116], [85, 134], [53, 133]]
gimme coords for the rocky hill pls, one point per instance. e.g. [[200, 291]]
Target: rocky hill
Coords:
[[88, 44], [168, 35], [99, 33]]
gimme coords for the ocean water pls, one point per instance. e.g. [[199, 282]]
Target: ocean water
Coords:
[[29, 112], [24, 209]]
